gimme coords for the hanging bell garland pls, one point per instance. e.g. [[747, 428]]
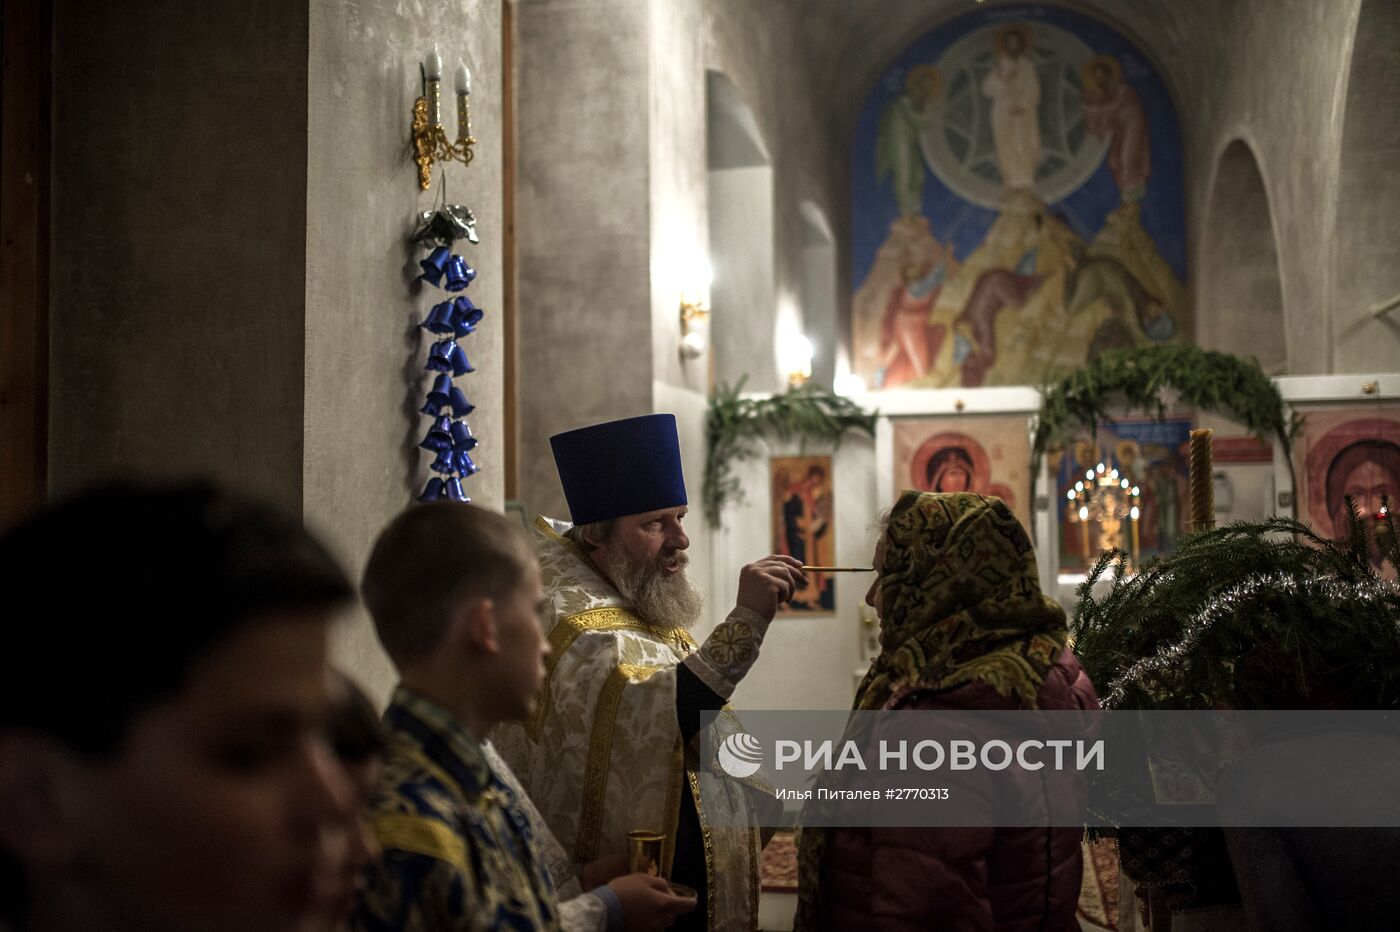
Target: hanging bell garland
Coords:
[[449, 438]]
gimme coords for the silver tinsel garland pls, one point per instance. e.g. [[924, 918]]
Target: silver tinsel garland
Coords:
[[1244, 595]]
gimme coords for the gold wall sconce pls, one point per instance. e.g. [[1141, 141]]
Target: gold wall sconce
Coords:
[[430, 142], [693, 317]]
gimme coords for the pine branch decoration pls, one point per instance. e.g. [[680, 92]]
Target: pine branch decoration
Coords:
[[1251, 615], [1136, 379], [734, 425]]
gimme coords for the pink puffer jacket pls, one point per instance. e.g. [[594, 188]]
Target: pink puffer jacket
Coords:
[[962, 879]]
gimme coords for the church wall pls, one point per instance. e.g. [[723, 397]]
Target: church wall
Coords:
[[582, 230], [763, 49], [364, 351], [176, 293], [679, 242], [1273, 74], [1239, 267], [1365, 248]]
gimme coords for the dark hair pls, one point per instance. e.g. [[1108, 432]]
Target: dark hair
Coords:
[[427, 561], [1383, 453], [128, 585], [355, 731]]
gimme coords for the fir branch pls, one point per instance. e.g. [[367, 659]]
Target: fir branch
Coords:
[[734, 426], [1254, 614], [1133, 380]]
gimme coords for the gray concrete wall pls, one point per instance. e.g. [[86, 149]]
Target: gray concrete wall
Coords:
[[583, 235], [772, 54], [178, 242], [1239, 266], [679, 240], [744, 302], [1365, 246], [364, 353]]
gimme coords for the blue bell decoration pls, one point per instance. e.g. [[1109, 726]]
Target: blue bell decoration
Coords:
[[465, 466], [439, 319], [435, 265], [440, 356], [459, 274], [457, 401], [454, 490], [430, 408], [465, 316], [458, 361], [462, 439], [441, 395], [444, 462], [432, 491], [439, 436]]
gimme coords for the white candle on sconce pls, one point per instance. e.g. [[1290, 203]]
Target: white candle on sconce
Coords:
[[463, 80], [432, 67]]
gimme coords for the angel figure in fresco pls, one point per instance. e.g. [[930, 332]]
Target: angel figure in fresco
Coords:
[[908, 342], [898, 154], [1014, 88], [1113, 111]]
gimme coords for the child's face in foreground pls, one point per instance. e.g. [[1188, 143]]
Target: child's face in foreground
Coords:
[[224, 808]]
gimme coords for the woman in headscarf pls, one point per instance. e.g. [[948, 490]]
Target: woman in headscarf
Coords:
[[963, 625]]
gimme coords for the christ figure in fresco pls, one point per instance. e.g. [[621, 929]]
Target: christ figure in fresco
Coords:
[[1112, 110], [1368, 471], [1014, 89]]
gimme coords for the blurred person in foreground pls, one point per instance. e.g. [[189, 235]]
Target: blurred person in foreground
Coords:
[[163, 762]]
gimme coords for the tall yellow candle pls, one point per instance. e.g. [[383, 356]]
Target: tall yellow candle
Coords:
[[1202, 483]]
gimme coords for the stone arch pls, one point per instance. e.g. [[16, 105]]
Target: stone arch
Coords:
[[1239, 308], [1365, 252]]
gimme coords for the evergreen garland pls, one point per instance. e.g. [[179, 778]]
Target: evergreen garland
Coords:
[[734, 425], [1137, 379], [1251, 615]]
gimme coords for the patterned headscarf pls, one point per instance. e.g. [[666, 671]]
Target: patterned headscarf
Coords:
[[960, 602]]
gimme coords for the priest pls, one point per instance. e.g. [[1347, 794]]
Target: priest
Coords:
[[612, 746]]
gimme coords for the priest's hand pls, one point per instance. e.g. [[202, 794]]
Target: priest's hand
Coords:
[[767, 583], [648, 903]]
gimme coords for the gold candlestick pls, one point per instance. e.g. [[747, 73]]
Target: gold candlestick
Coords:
[[1202, 481]]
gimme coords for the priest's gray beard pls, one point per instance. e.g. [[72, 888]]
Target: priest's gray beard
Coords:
[[665, 601]]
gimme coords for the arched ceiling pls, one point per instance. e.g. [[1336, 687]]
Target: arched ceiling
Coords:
[[857, 38]]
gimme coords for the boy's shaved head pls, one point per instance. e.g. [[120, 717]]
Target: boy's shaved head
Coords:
[[427, 561]]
